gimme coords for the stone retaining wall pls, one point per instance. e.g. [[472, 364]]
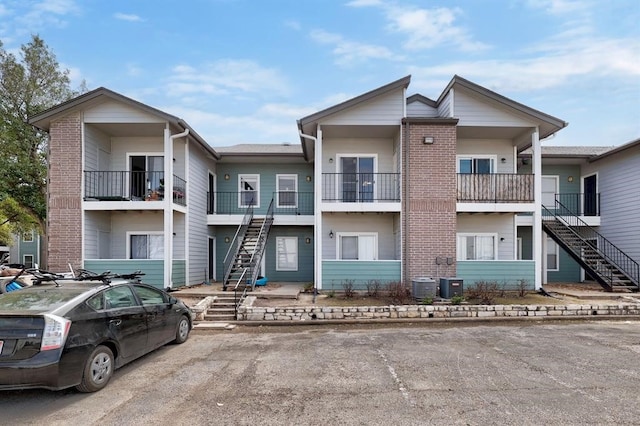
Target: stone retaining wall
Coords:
[[251, 313]]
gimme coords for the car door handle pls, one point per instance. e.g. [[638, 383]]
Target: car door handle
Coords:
[[116, 322]]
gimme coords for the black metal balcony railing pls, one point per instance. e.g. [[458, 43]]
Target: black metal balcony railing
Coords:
[[361, 187], [495, 188], [131, 186], [285, 203], [579, 204]]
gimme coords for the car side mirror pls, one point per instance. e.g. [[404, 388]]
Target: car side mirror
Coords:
[[172, 300]]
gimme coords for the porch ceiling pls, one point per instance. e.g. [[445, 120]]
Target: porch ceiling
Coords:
[[477, 132]]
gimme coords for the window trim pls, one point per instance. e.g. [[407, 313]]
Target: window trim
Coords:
[[30, 235], [297, 253], [24, 260], [339, 236], [493, 158], [146, 233], [557, 189], [548, 243], [494, 235], [240, 191], [295, 190]]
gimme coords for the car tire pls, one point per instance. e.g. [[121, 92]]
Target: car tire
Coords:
[[183, 329], [98, 370]]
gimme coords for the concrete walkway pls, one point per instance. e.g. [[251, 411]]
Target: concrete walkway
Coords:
[[274, 290]]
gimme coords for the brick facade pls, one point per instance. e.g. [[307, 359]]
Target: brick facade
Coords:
[[429, 197], [64, 206]]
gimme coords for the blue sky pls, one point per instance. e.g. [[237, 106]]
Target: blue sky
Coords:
[[243, 71]]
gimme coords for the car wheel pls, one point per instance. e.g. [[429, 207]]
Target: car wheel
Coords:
[[98, 370], [182, 333]]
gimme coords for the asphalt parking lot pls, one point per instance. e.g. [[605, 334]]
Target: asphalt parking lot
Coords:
[[525, 373]]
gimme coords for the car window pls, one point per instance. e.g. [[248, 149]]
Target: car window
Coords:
[[119, 297], [97, 302], [37, 299], [149, 296]]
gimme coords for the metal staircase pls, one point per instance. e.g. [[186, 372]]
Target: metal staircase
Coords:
[[242, 262], [605, 263]]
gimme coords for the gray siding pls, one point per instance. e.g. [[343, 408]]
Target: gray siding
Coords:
[[500, 224], [197, 187], [472, 111], [116, 112], [498, 148], [382, 148], [123, 222], [94, 223], [419, 109], [94, 141], [619, 187], [382, 224], [121, 146], [444, 109]]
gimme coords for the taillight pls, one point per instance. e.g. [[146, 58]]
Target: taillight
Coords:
[[55, 332]]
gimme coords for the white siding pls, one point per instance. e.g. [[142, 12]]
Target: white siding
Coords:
[[619, 188], [95, 222], [137, 221], [420, 109], [94, 140], [121, 146], [198, 185], [501, 224], [383, 148], [444, 109], [383, 224], [381, 110], [500, 148], [472, 111], [116, 112], [179, 237]]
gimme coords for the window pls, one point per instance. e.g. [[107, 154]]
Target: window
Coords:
[[476, 165], [477, 247], [552, 255], [287, 253], [353, 246], [249, 190], [287, 190], [149, 296], [27, 261], [549, 191], [357, 178], [27, 237], [119, 297], [147, 176], [146, 246]]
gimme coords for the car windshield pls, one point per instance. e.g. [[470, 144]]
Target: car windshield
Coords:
[[37, 299]]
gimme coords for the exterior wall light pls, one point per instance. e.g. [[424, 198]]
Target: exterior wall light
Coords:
[[308, 178], [331, 234], [428, 140], [226, 176], [227, 240]]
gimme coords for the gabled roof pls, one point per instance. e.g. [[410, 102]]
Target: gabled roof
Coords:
[[247, 149], [419, 98], [616, 150], [570, 151], [401, 83], [553, 124], [43, 119]]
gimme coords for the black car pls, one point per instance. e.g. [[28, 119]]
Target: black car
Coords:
[[77, 332]]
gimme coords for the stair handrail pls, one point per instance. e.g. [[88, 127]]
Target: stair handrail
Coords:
[[604, 247], [234, 247], [256, 256]]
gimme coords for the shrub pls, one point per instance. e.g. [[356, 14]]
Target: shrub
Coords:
[[523, 287], [398, 293], [349, 289], [331, 294], [308, 287], [373, 288], [427, 301], [456, 300], [484, 292]]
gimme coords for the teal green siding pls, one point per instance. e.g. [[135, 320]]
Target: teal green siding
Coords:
[[178, 273], [305, 254], [153, 269], [28, 248], [525, 232], [267, 174], [335, 272], [569, 268], [506, 273]]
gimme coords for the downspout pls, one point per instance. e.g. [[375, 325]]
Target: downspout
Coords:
[[168, 202], [317, 219]]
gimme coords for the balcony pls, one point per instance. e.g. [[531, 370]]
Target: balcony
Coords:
[[131, 186], [236, 203], [360, 187], [579, 204], [495, 188]]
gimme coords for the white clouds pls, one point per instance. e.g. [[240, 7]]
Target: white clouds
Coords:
[[424, 28], [227, 76], [294, 25], [127, 17], [33, 17], [349, 52], [558, 7]]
